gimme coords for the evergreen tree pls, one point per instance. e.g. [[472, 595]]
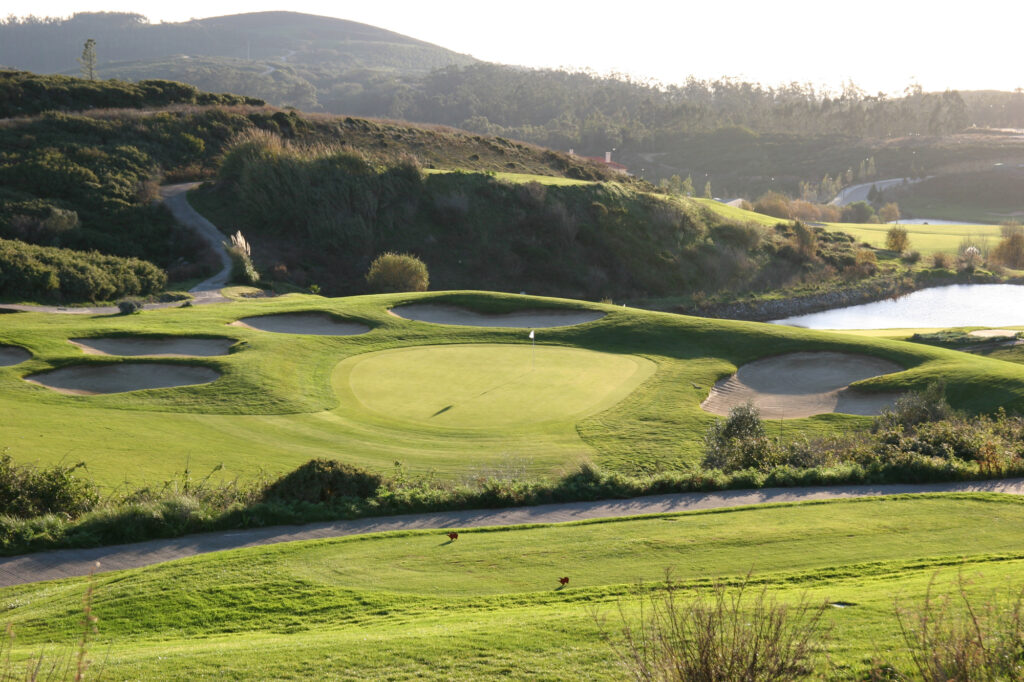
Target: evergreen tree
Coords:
[[88, 60]]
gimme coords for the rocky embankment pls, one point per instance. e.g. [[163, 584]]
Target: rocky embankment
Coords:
[[775, 309]]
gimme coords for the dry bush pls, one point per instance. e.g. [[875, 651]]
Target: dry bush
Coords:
[[897, 239], [954, 638], [773, 204], [718, 634], [940, 259]]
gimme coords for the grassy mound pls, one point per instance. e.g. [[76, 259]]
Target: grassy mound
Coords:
[[283, 399], [411, 604]]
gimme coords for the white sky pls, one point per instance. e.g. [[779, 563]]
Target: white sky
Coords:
[[881, 46]]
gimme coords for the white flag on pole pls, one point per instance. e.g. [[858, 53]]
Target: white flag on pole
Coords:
[[531, 333]]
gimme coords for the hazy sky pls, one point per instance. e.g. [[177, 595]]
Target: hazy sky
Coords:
[[879, 45]]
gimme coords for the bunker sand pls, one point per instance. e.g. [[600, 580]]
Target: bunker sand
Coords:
[[318, 324], [802, 385], [121, 378], [12, 355], [994, 333], [522, 319], [159, 346]]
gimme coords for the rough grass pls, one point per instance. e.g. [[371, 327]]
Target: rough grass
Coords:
[[413, 604], [282, 398]]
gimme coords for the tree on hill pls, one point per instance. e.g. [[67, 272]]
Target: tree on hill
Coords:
[[88, 60]]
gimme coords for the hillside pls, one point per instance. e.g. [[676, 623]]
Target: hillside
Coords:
[[53, 45]]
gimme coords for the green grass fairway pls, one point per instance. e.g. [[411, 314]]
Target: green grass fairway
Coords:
[[925, 238], [489, 386], [414, 605], [624, 390]]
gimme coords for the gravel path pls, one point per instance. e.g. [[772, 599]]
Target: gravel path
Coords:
[[207, 291], [67, 563]]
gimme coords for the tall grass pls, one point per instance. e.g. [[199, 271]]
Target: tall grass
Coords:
[[718, 635]]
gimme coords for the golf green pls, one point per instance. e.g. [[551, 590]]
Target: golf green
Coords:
[[492, 385]]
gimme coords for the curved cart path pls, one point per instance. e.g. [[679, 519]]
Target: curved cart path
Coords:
[[207, 291], [66, 563]]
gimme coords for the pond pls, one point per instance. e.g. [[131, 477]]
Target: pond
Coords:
[[958, 305]]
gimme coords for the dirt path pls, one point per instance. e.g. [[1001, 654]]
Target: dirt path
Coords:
[[207, 291], [67, 563]]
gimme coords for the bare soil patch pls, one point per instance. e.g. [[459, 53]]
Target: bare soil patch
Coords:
[[120, 378], [523, 319], [320, 324], [160, 346], [12, 355], [802, 385]]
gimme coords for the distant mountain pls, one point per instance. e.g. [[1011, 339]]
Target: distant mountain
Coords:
[[51, 45]]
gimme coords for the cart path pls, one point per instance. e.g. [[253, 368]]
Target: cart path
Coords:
[[66, 563], [207, 291]]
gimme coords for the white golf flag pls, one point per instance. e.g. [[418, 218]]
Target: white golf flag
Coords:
[[531, 333]]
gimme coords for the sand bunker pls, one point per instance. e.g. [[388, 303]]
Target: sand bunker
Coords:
[[320, 324], [802, 385], [12, 355], [96, 379], [524, 319], [994, 333], [164, 346]]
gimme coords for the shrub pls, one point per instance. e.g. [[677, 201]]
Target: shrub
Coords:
[[1010, 251], [394, 272], [717, 635], [129, 306], [916, 407], [911, 257], [940, 259], [323, 480], [866, 261], [897, 239], [739, 442]]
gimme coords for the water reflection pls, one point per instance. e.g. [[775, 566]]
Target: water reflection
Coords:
[[958, 305]]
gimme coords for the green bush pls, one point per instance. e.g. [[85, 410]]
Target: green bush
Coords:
[[393, 272], [323, 480], [48, 273], [27, 491], [739, 442]]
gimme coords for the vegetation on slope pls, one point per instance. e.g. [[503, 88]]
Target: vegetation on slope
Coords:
[[25, 94], [322, 213]]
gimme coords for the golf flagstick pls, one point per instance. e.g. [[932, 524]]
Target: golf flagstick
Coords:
[[533, 350]]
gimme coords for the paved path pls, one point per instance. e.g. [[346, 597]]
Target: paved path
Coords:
[[855, 193], [67, 563], [207, 291]]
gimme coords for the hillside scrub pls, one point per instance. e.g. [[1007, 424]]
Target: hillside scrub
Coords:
[[323, 212]]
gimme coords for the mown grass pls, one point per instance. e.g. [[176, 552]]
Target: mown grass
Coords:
[[413, 604], [284, 399], [927, 239]]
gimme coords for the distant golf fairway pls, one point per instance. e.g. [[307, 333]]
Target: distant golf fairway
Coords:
[[489, 386]]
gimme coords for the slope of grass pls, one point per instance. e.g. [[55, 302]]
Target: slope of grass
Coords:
[[285, 398], [414, 604]]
